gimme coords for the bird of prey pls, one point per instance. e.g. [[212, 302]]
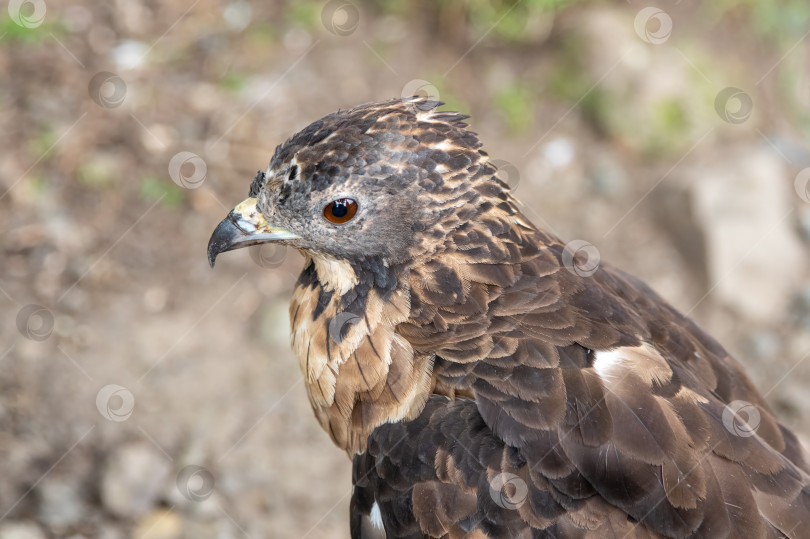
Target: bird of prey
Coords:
[[483, 383]]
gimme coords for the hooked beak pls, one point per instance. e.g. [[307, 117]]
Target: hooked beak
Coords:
[[243, 227]]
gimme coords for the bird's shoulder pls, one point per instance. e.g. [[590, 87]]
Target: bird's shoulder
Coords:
[[592, 391]]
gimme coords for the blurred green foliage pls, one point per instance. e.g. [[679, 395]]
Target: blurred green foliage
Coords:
[[233, 83], [783, 21], [516, 105], [669, 127], [655, 127], [508, 19], [96, 174], [42, 142], [669, 115], [13, 32], [261, 34], [505, 19], [568, 81], [153, 188], [306, 13], [38, 185]]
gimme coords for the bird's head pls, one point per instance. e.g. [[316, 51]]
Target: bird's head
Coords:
[[376, 184]]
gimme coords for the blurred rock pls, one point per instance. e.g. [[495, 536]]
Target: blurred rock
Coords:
[[800, 307], [77, 19], [129, 54], [101, 39], [154, 299], [237, 14], [133, 480], [204, 97], [108, 530], [792, 149], [743, 202], [160, 524], [221, 528], [804, 223], [134, 15], [606, 173], [20, 530], [61, 503], [296, 40], [559, 152], [764, 345], [674, 211]]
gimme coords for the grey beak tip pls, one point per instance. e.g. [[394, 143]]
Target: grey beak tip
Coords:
[[212, 255], [223, 239]]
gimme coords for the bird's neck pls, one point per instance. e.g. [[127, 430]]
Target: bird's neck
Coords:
[[359, 372], [367, 335]]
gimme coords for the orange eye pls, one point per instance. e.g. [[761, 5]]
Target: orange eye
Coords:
[[340, 210]]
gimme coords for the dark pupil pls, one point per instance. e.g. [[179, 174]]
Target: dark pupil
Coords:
[[339, 209]]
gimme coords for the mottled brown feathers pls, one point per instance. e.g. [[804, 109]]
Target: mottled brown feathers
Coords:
[[485, 389]]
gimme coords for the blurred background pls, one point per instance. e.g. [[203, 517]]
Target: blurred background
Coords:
[[144, 395]]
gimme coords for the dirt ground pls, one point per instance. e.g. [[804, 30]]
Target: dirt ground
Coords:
[[144, 395]]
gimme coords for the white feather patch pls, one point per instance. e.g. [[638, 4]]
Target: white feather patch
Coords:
[[442, 145], [334, 274], [605, 362], [644, 361], [376, 516]]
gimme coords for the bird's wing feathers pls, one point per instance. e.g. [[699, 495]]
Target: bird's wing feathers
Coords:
[[598, 411]]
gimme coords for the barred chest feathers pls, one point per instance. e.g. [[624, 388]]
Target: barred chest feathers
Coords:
[[359, 373]]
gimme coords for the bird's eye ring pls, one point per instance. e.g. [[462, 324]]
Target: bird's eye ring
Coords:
[[340, 211]]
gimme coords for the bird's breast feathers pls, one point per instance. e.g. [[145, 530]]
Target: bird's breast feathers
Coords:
[[358, 370]]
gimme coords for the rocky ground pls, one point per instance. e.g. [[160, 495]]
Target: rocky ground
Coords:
[[144, 395]]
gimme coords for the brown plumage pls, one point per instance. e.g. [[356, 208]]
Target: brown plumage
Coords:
[[482, 383]]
